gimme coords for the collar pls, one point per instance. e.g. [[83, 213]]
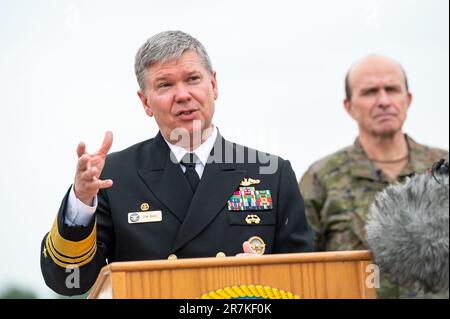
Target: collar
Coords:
[[363, 167], [203, 151]]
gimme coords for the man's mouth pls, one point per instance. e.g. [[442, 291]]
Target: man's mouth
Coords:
[[187, 115], [385, 115]]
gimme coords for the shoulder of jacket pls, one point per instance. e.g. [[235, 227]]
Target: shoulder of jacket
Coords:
[[337, 160]]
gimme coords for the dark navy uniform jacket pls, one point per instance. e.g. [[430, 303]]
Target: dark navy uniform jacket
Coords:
[[192, 225]]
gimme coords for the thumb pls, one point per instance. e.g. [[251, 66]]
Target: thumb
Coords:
[[248, 248]]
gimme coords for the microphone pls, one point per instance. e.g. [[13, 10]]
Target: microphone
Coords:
[[408, 231]]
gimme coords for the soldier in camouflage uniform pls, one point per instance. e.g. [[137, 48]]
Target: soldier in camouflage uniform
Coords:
[[339, 189]]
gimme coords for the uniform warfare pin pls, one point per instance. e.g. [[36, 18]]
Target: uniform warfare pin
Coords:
[[249, 182]]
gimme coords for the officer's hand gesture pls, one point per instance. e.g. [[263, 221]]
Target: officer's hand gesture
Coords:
[[89, 167]]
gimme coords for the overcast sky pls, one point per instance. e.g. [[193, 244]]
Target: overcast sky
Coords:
[[66, 74]]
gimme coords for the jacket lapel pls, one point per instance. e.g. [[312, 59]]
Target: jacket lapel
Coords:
[[217, 185], [165, 179]]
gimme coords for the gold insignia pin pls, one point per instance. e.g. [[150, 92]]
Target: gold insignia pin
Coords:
[[145, 207], [45, 252], [249, 182], [258, 245], [252, 219]]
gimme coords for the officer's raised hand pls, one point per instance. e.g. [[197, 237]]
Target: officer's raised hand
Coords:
[[89, 167]]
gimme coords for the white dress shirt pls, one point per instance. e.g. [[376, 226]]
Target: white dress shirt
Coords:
[[80, 214]]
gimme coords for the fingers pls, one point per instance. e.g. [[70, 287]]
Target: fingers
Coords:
[[105, 184], [81, 149], [89, 167], [248, 251], [107, 142], [91, 188], [89, 178], [87, 190], [83, 163], [104, 149], [247, 247], [90, 174]]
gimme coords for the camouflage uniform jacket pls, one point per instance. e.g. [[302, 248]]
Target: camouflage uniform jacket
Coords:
[[339, 189]]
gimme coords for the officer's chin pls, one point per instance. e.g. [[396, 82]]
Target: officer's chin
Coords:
[[188, 134], [387, 130]]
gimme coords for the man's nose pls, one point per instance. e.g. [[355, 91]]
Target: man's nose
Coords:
[[384, 101], [182, 94]]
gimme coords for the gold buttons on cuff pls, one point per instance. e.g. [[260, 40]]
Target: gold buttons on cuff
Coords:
[[221, 255], [172, 257]]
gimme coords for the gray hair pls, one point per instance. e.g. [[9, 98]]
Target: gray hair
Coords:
[[164, 47]]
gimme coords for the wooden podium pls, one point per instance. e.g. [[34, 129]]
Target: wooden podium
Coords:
[[332, 275]]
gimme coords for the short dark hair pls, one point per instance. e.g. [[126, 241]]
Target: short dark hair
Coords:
[[348, 89]]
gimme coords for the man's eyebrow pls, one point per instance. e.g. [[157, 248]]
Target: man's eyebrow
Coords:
[[192, 73], [370, 88], [164, 77], [392, 86]]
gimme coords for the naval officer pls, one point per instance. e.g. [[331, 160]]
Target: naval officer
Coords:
[[186, 193]]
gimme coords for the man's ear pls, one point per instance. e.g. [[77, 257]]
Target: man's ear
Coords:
[[214, 85], [349, 108], [145, 103], [410, 99]]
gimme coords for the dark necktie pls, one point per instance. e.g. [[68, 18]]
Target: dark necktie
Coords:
[[189, 161]]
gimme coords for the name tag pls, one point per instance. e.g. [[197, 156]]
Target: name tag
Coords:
[[145, 217]]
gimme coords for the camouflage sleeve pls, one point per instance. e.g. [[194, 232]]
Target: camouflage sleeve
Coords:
[[314, 195]]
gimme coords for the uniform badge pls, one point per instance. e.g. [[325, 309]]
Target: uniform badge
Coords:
[[249, 182], [258, 245], [250, 199], [252, 219], [145, 217], [145, 207]]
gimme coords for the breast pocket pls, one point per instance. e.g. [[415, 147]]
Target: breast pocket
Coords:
[[251, 218]]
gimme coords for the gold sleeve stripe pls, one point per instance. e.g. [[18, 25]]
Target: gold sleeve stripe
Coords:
[[66, 265], [66, 259], [69, 248]]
